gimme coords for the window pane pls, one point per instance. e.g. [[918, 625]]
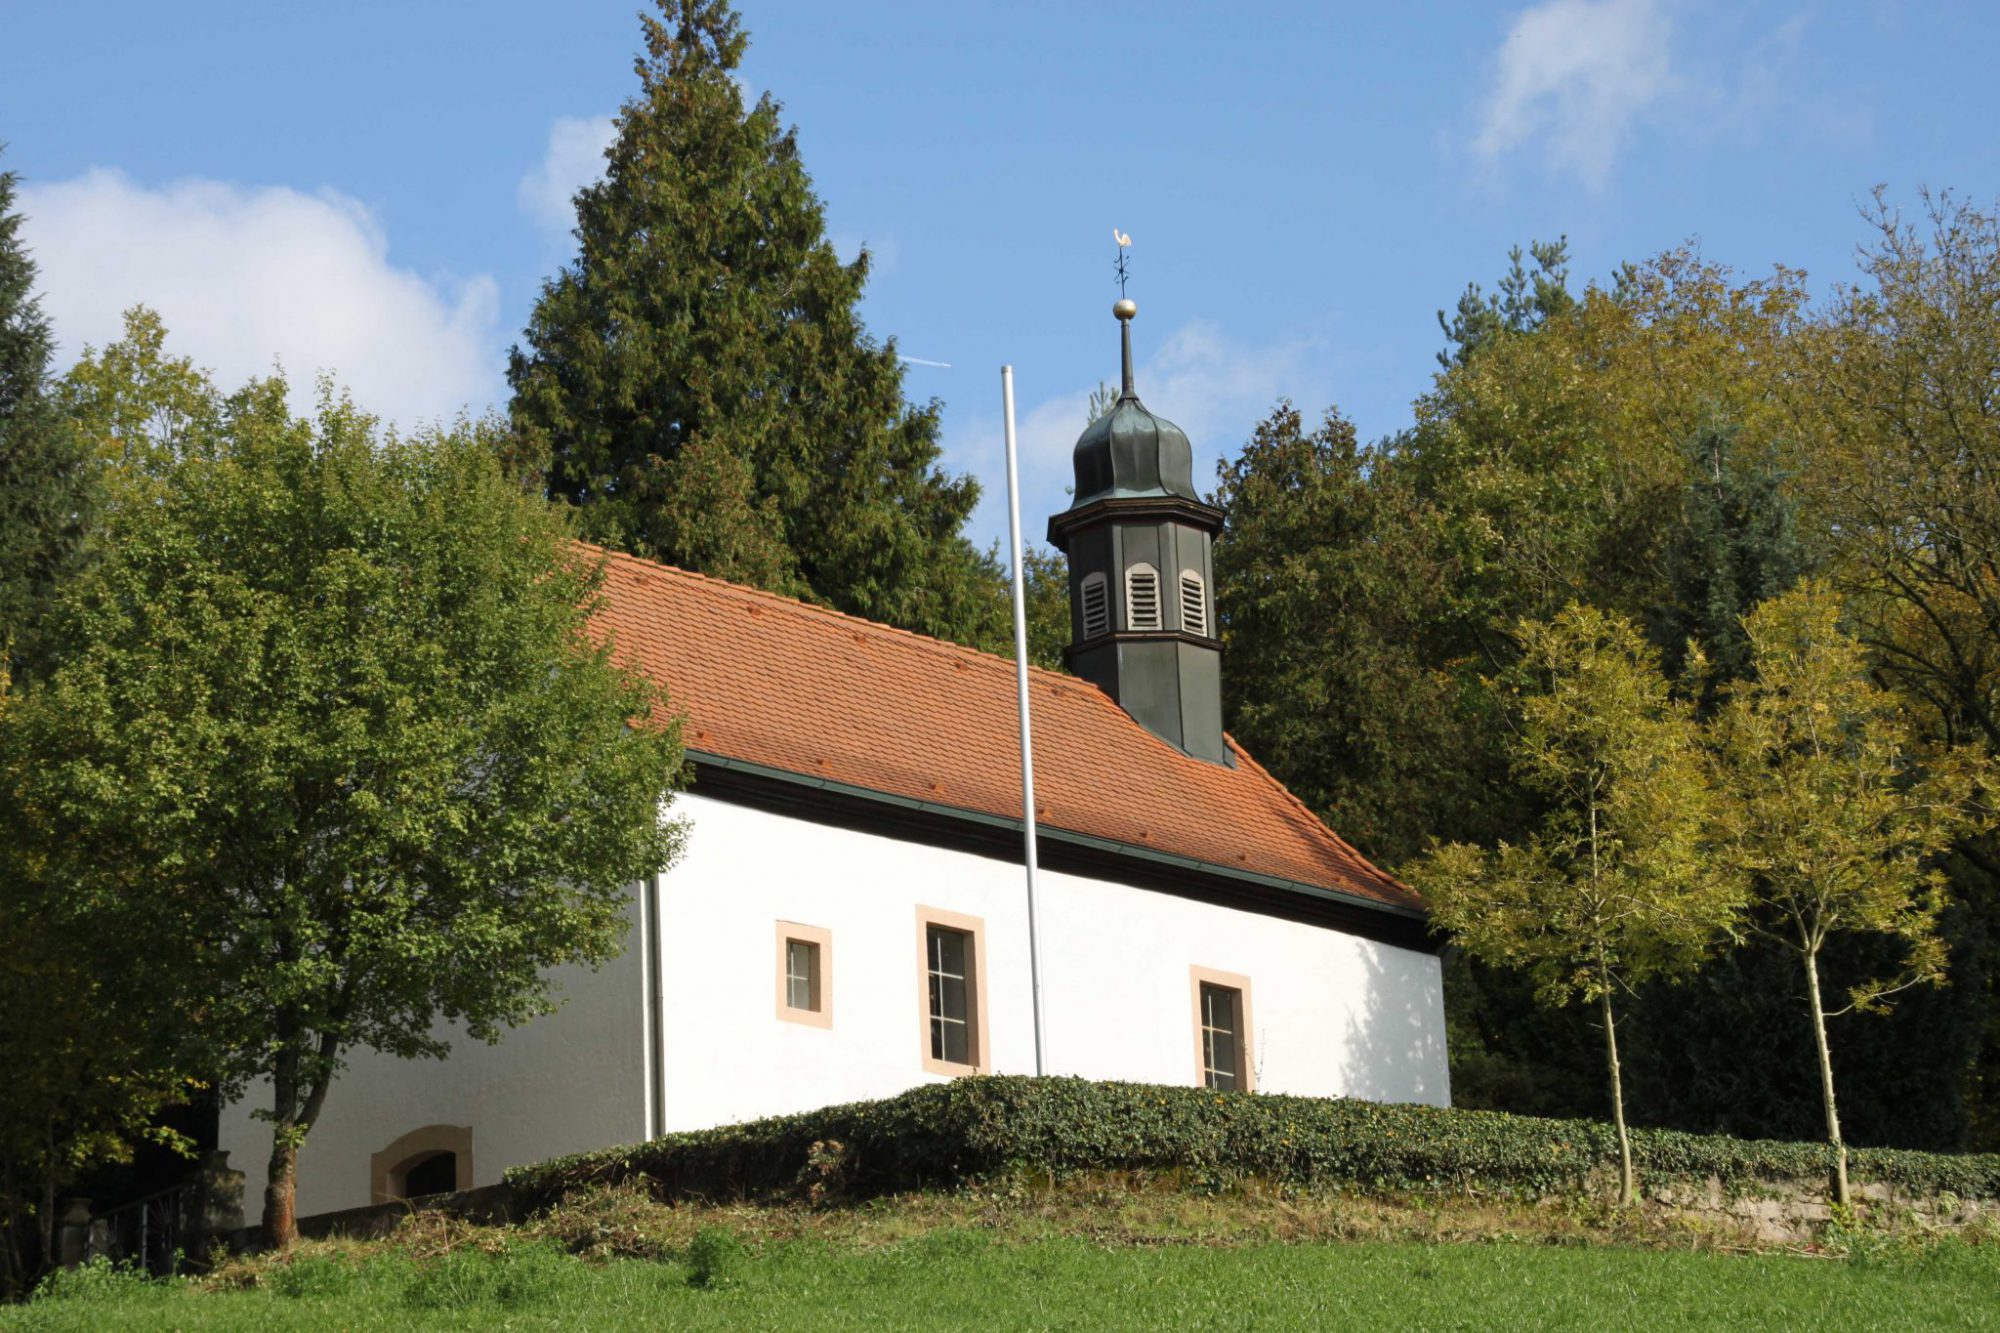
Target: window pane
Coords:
[[950, 996], [948, 951], [1220, 1067], [802, 975]]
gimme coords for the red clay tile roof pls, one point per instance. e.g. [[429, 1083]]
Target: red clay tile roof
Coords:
[[776, 682]]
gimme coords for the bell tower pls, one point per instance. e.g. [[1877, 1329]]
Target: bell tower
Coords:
[[1141, 572]]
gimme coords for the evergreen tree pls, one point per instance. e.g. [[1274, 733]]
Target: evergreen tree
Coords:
[[1737, 546], [698, 378], [1523, 304], [44, 479]]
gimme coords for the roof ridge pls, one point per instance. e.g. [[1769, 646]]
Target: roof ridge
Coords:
[[812, 609]]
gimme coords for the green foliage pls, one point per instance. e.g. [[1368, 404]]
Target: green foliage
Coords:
[[1615, 885], [948, 1134], [1524, 303], [1837, 812], [1737, 546], [525, 1275], [100, 1281], [1339, 674], [332, 754], [1046, 591], [699, 379], [715, 1258], [45, 491]]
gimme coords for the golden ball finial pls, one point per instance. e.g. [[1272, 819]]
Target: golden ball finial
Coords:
[[1126, 308]]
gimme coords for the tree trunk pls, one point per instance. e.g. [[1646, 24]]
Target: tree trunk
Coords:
[[46, 1223], [1625, 1188], [281, 1223], [1840, 1195], [292, 1119]]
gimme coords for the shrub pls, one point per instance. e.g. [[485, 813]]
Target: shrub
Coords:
[[101, 1281], [949, 1134], [715, 1258]]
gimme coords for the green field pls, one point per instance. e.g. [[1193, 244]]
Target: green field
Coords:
[[963, 1278]]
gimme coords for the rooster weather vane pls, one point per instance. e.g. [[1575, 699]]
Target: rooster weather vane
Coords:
[[1124, 269]]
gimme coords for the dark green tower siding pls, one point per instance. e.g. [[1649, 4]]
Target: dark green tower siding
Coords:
[[1136, 505]]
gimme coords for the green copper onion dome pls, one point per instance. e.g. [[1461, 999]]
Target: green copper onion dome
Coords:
[[1128, 452]]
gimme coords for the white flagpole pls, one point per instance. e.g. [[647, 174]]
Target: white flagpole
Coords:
[[1021, 685]]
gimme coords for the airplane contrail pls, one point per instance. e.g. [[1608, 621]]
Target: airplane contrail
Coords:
[[919, 361]]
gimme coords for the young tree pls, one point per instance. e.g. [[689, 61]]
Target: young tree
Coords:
[[1615, 885], [334, 735], [699, 379], [1836, 812]]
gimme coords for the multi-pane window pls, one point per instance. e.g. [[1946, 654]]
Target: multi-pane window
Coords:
[[948, 956], [1221, 1036], [1096, 606], [802, 975], [1142, 597], [805, 974], [1194, 603]]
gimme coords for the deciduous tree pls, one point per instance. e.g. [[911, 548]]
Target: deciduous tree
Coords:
[[332, 735], [1615, 885], [1837, 812]]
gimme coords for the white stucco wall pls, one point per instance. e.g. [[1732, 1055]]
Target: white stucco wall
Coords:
[[1331, 1014], [563, 1083]]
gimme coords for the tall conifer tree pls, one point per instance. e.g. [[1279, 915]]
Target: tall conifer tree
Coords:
[[43, 479], [700, 382]]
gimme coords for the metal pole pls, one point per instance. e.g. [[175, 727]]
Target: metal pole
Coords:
[[1021, 685]]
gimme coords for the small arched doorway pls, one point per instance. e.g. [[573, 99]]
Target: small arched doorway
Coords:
[[434, 1174], [436, 1159]]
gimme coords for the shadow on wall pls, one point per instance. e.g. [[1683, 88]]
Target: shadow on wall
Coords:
[[1394, 1051]]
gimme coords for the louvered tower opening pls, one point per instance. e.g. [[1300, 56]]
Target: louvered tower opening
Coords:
[[1096, 606], [1194, 603], [1142, 597]]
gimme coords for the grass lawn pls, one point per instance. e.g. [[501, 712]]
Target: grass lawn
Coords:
[[965, 1278]]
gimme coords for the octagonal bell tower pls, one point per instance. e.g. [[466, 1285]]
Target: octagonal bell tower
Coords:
[[1141, 571]]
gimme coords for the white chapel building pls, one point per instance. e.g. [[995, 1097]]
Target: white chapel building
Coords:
[[849, 916]]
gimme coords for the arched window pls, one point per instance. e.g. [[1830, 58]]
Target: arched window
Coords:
[[1142, 597], [435, 1174], [1194, 603], [1096, 606], [436, 1159]]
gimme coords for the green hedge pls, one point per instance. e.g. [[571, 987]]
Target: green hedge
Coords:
[[945, 1134]]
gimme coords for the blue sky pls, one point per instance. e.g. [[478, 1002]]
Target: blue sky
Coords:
[[376, 189]]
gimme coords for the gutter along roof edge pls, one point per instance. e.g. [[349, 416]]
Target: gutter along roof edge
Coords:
[[1014, 824]]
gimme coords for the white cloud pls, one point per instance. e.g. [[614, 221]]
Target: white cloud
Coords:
[[246, 277], [1575, 74], [574, 159], [1211, 386]]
